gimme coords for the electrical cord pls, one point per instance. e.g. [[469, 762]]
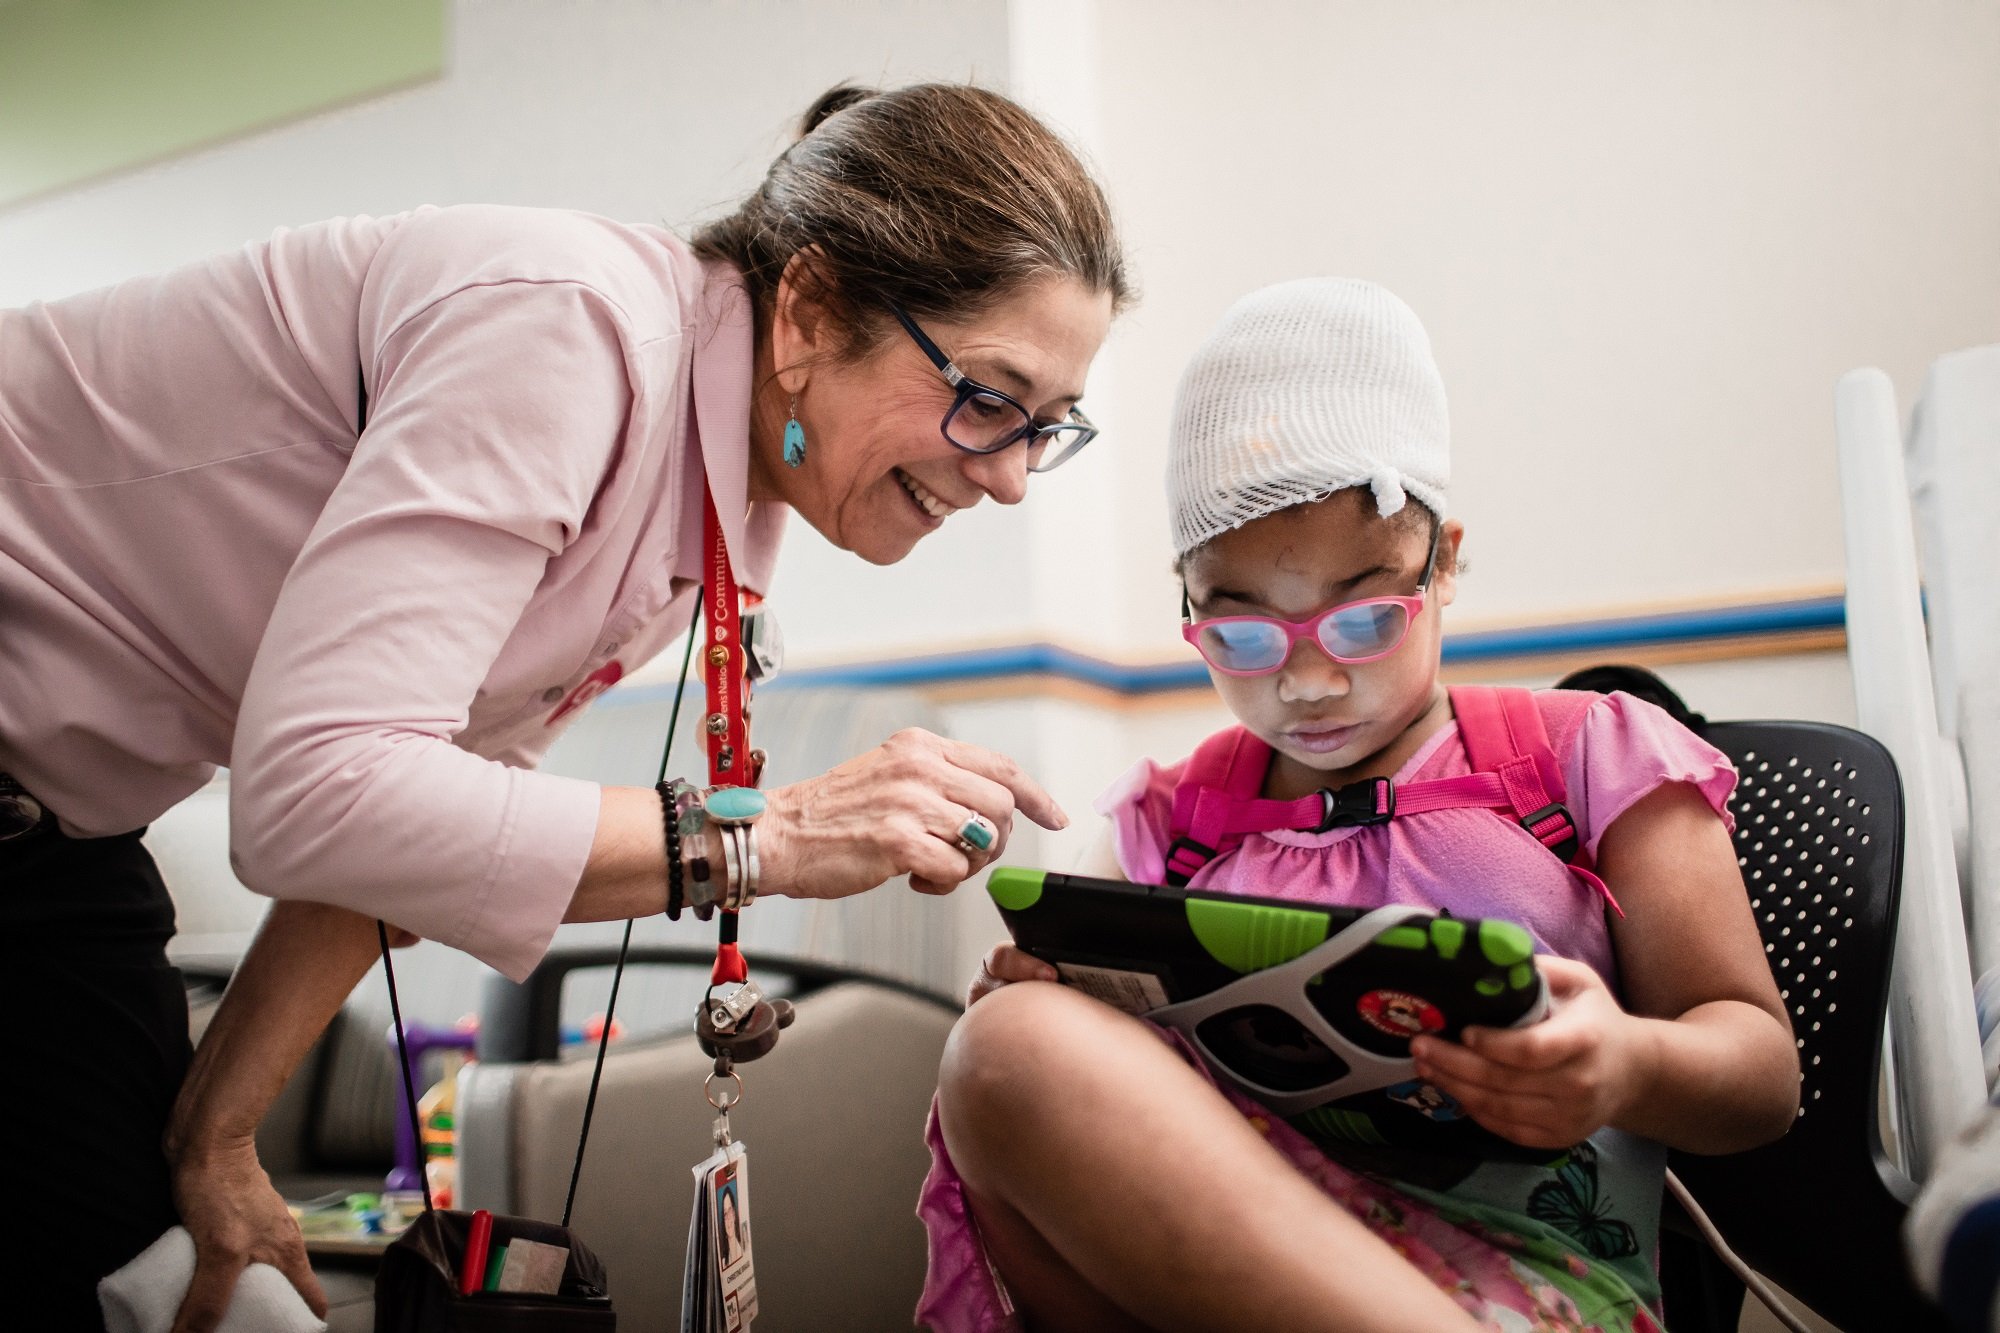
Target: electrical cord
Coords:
[[1756, 1285]]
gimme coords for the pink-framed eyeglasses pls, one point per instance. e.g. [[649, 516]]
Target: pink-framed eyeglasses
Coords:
[[1351, 633]]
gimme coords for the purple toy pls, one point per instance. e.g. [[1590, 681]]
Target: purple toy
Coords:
[[421, 1039]]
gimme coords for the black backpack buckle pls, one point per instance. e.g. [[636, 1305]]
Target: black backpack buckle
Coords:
[[1175, 876], [1357, 805], [1564, 846]]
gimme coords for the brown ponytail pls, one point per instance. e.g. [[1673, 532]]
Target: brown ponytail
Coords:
[[837, 98], [943, 198]]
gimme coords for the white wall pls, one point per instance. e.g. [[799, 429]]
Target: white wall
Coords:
[[637, 109], [1645, 238]]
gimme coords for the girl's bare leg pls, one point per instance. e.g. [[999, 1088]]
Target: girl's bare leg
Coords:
[[1054, 1296], [1114, 1185]]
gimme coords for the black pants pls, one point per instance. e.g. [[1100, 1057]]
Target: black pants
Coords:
[[96, 1045]]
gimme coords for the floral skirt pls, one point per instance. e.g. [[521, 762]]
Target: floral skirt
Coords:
[[1524, 1281]]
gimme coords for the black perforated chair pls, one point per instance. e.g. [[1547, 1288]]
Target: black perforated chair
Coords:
[[1819, 835]]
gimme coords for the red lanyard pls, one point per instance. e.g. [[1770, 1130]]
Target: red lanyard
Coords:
[[722, 659], [724, 670]]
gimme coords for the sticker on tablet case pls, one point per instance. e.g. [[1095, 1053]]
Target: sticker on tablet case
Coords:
[[1429, 1102], [1134, 992], [1399, 1013]]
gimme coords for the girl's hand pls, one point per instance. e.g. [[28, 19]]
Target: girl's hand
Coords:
[[1003, 966], [1553, 1084], [895, 811]]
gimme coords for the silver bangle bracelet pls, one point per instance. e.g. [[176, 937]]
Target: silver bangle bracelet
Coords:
[[743, 867], [739, 887], [725, 891]]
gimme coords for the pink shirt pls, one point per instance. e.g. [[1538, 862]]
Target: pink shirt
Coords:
[[203, 562], [1614, 750]]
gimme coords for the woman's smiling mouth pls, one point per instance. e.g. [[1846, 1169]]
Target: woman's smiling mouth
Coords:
[[933, 508]]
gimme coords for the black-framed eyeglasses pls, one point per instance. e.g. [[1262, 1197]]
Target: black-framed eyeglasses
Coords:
[[983, 420]]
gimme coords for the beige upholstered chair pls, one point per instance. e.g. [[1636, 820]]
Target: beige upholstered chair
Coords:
[[834, 1121]]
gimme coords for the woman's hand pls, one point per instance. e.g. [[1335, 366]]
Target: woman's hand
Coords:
[[305, 960], [1003, 966], [895, 811], [1554, 1083], [237, 1219]]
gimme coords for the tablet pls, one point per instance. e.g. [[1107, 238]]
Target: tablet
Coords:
[[1308, 1009]]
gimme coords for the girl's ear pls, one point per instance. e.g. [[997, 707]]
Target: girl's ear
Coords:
[[1444, 580]]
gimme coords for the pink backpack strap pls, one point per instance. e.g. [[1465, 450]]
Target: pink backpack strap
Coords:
[[1225, 771], [1505, 736], [1216, 803], [1516, 771]]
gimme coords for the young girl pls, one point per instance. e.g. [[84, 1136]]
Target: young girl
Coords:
[[1089, 1174]]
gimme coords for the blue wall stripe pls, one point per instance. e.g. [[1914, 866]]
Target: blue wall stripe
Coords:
[[1047, 659]]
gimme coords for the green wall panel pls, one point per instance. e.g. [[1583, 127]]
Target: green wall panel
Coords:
[[89, 87]]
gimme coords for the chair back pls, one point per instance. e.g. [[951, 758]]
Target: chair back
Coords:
[[1819, 836]]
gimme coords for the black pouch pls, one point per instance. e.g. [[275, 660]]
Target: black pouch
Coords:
[[416, 1288]]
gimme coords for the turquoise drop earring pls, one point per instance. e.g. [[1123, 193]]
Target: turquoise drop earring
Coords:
[[795, 437]]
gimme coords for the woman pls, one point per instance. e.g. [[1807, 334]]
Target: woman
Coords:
[[366, 512]]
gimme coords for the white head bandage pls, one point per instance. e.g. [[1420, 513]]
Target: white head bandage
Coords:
[[1306, 388]]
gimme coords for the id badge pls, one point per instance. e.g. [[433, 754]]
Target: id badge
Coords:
[[729, 1232], [719, 1292], [698, 1278]]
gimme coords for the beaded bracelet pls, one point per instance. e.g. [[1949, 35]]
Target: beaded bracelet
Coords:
[[691, 821], [671, 824], [676, 884]]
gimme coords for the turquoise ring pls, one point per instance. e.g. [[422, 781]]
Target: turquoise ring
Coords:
[[977, 835]]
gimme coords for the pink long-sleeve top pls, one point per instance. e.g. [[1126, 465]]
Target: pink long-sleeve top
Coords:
[[204, 560]]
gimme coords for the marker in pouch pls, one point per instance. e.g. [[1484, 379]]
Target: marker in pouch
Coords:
[[473, 1269], [493, 1267]]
